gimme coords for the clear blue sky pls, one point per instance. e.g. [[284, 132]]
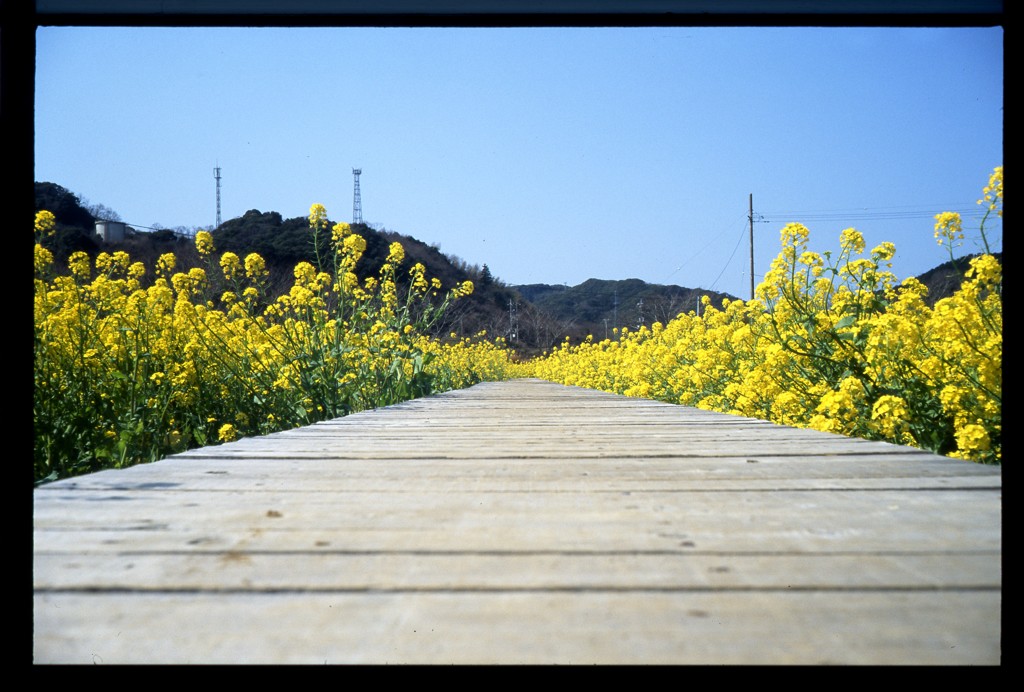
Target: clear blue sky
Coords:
[[552, 155]]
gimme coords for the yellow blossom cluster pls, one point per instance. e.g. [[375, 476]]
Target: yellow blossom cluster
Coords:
[[832, 344], [130, 367]]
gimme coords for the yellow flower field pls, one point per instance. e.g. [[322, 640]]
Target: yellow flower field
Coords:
[[835, 344], [132, 366]]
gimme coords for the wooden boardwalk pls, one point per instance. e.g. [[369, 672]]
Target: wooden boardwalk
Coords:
[[525, 522]]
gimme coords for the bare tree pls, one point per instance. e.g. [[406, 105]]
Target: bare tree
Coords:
[[101, 211]]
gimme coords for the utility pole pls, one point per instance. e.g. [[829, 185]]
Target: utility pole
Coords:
[[615, 312], [513, 323], [751, 245]]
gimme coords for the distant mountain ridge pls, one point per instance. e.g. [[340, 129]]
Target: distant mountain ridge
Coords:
[[598, 306]]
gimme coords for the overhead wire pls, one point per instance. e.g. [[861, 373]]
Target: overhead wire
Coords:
[[692, 257], [739, 240], [728, 261], [866, 214]]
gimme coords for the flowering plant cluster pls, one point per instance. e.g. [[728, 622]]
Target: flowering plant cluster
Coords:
[[829, 343], [131, 367]]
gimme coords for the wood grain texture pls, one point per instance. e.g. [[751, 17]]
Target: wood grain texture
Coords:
[[525, 522]]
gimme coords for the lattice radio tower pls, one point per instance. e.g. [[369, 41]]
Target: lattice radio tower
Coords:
[[216, 175], [357, 204]]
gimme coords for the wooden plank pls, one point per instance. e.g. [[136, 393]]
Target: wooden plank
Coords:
[[328, 569], [560, 521], [561, 627], [282, 470], [487, 525]]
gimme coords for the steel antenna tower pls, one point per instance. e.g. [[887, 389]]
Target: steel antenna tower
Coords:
[[216, 175], [357, 204]]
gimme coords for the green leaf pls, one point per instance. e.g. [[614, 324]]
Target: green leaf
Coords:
[[846, 322]]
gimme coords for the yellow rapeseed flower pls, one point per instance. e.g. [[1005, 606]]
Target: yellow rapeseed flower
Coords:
[[227, 433], [949, 228], [339, 232], [317, 217], [231, 265], [204, 243], [884, 252], [43, 259], [971, 439], [79, 265], [46, 223], [852, 240], [255, 267], [993, 192]]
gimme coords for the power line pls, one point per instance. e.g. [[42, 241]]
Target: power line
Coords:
[[731, 255], [867, 214], [712, 241], [183, 234]]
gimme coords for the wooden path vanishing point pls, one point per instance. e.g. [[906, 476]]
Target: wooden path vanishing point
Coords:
[[525, 522]]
